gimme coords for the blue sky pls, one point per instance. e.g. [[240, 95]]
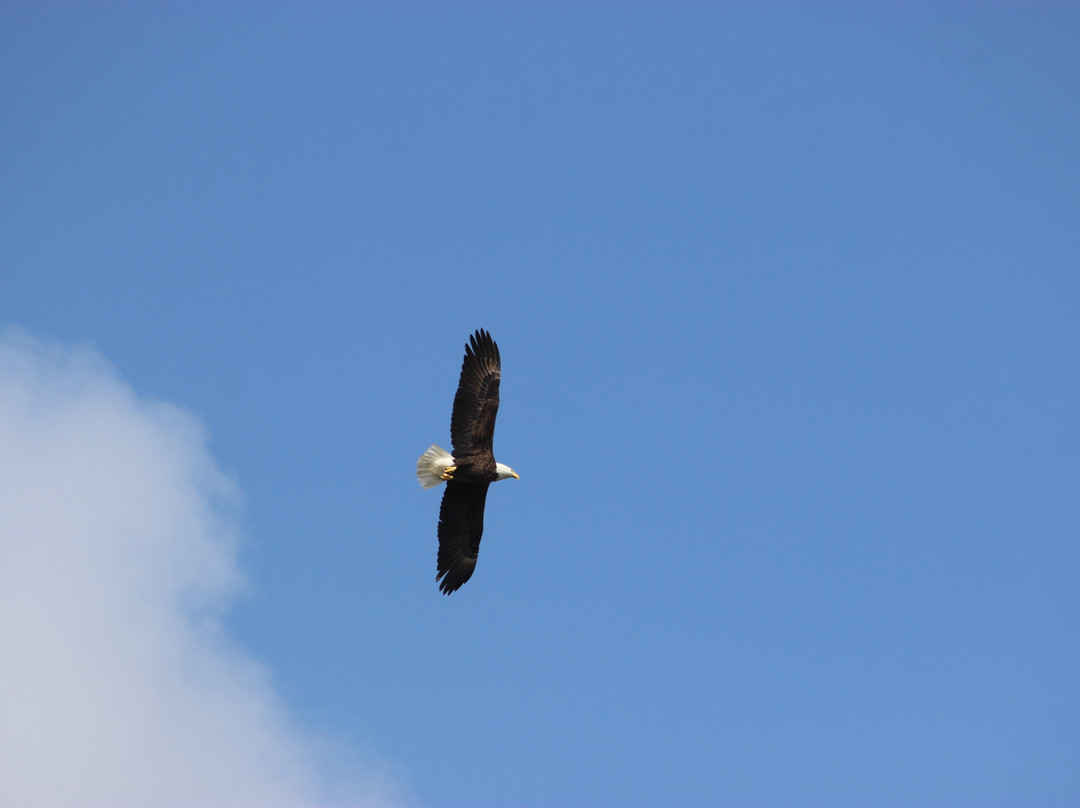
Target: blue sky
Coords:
[[787, 301]]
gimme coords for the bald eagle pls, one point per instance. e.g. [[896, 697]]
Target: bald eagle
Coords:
[[471, 468]]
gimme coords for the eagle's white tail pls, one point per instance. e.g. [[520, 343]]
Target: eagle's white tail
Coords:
[[432, 464]]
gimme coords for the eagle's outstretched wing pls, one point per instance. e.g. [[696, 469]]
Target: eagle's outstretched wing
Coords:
[[472, 425], [461, 524]]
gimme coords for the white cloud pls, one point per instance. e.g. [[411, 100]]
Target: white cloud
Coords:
[[118, 685]]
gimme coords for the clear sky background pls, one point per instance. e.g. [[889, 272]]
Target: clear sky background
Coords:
[[788, 298]]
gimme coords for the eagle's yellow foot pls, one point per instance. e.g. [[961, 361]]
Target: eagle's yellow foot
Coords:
[[449, 473]]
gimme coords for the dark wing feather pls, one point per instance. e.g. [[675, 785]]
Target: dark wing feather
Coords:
[[461, 524], [472, 425]]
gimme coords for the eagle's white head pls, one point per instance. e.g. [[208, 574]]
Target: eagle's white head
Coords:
[[504, 472]]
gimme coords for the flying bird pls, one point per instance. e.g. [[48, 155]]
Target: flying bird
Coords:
[[471, 468]]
